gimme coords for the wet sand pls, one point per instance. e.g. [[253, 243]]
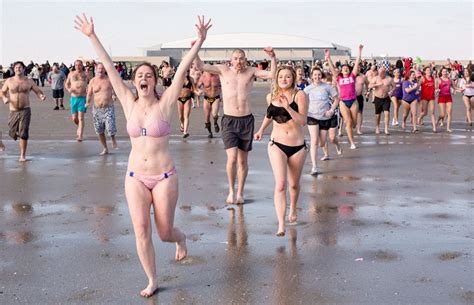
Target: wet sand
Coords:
[[388, 223]]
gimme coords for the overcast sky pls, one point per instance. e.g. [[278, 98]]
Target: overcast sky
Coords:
[[41, 30]]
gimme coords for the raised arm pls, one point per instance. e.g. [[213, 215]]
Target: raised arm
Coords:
[[172, 93], [124, 94], [273, 66], [214, 69], [355, 71], [327, 56]]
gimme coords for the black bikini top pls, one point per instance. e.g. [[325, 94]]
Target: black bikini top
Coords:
[[188, 84], [280, 114]]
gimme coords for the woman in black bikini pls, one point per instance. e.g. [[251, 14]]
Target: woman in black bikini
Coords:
[[184, 104], [287, 108]]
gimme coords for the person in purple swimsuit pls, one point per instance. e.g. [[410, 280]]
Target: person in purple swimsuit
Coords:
[[151, 179], [396, 94], [410, 98]]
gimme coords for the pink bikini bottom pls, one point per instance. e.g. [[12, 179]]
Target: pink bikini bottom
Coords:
[[151, 181]]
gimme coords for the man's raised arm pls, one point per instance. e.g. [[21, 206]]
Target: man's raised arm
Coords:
[[273, 65], [214, 69]]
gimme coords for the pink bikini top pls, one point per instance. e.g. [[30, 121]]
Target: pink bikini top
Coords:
[[156, 129]]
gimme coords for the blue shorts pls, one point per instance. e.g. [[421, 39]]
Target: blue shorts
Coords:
[[348, 103], [78, 104]]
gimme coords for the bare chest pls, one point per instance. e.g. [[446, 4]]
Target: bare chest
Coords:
[[20, 87]]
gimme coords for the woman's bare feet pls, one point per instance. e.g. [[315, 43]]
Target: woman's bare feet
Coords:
[[240, 199], [150, 289], [114, 144], [292, 216], [230, 198], [105, 151], [22, 159], [181, 250], [281, 231], [449, 130]]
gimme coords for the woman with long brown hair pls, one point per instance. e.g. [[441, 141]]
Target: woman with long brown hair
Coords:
[[151, 179]]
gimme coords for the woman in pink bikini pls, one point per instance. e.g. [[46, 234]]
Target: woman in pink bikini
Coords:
[[347, 93], [151, 179]]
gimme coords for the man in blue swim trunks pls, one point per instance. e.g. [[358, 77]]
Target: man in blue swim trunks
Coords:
[[76, 85]]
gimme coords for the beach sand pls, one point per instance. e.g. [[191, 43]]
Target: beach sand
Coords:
[[387, 223]]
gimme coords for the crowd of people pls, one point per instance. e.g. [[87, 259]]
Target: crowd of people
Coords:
[[317, 97]]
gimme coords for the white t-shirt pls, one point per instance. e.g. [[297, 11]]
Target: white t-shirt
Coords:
[[467, 91], [319, 100]]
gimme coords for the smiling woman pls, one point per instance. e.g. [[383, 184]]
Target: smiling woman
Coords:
[[151, 179]]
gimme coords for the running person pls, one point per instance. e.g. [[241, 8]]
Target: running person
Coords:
[[410, 99], [427, 98], [16, 92], [287, 108], [57, 78], [151, 178], [396, 95], [212, 95], [166, 74], [347, 94], [104, 111], [195, 74], [76, 85], [321, 117], [466, 87], [381, 84], [184, 105], [361, 91], [445, 100], [238, 121], [301, 82]]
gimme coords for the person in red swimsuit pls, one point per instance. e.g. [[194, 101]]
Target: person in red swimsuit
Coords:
[[427, 97], [445, 100]]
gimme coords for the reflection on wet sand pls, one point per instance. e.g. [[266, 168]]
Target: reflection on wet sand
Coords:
[[287, 279], [238, 284], [23, 210]]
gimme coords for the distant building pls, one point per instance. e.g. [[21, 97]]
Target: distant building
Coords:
[[218, 48]]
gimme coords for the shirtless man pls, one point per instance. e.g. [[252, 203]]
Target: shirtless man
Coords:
[[2, 146], [370, 75], [16, 92], [382, 85], [361, 90], [76, 85], [238, 121], [195, 74], [212, 89], [166, 74], [103, 111]]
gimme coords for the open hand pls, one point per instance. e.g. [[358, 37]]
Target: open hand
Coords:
[[84, 25], [202, 27], [284, 101], [269, 51], [326, 54]]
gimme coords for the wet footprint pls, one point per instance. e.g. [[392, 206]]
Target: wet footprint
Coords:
[[448, 256]]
